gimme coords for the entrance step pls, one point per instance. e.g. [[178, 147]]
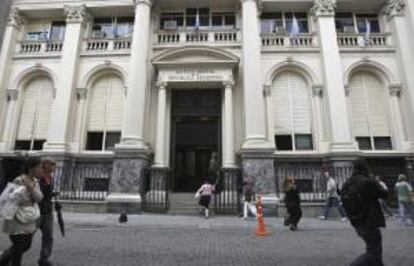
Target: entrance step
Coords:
[[183, 204]]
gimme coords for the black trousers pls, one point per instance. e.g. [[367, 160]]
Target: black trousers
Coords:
[[20, 244], [294, 215], [46, 227], [373, 240]]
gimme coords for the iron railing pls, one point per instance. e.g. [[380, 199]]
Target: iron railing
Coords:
[[83, 183], [155, 189], [227, 199]]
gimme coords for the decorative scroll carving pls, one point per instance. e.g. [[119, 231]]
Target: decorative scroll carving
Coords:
[[394, 8], [76, 14], [323, 7], [15, 18], [161, 84]]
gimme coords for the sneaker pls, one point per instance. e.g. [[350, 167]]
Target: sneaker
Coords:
[[344, 219], [292, 227], [322, 217]]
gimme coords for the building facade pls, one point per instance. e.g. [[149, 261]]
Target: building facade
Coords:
[[146, 89]]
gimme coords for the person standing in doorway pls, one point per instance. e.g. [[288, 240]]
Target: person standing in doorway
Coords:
[[205, 191], [292, 202], [384, 206], [332, 198], [405, 205], [46, 211]]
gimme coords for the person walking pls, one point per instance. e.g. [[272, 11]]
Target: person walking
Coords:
[[205, 191], [248, 200], [383, 204], [292, 202], [23, 225], [46, 211], [404, 193], [360, 195], [332, 199]]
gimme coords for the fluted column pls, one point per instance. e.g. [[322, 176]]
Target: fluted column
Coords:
[[398, 128], [267, 92], [254, 103], [160, 135], [10, 121], [394, 10], [135, 104], [14, 23], [228, 126], [76, 19], [341, 137], [81, 94]]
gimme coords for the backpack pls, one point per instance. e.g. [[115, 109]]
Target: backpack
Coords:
[[353, 201]]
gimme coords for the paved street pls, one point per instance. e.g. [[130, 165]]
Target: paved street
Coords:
[[177, 240]]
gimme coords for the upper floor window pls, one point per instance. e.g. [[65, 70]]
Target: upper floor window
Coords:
[[357, 23], [53, 32], [117, 27], [281, 22], [195, 18]]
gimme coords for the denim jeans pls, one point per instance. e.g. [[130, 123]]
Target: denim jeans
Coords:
[[406, 209], [333, 202], [46, 227]]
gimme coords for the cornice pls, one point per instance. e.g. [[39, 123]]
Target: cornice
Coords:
[[15, 18], [323, 8], [76, 14], [394, 8]]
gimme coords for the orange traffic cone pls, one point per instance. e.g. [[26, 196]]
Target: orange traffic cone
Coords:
[[261, 227]]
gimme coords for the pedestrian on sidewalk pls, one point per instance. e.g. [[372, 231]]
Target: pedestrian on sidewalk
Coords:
[[205, 191], [249, 204], [46, 211], [23, 225], [383, 203], [405, 204], [292, 203], [332, 197], [360, 195]]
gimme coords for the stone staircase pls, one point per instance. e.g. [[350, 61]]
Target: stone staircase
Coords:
[[183, 204]]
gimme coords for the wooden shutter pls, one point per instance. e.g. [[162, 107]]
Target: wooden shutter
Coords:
[[301, 108], [115, 101], [44, 108], [28, 110], [360, 119], [378, 106], [281, 105], [96, 113]]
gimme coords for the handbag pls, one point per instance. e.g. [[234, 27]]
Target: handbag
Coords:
[[10, 199], [197, 195], [27, 214]]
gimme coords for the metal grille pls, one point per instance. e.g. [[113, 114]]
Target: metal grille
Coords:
[[227, 199], [155, 190]]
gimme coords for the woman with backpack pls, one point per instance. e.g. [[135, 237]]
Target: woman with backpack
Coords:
[[23, 225], [405, 205], [292, 202]]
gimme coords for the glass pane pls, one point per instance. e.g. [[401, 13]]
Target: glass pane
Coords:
[[364, 143], [276, 15], [94, 141], [57, 32], [266, 26], [38, 144], [217, 20], [230, 20], [303, 142], [191, 11], [204, 21], [375, 28], [382, 143], [112, 138], [22, 145], [283, 142], [190, 21]]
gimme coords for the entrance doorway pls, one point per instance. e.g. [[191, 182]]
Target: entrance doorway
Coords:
[[196, 135]]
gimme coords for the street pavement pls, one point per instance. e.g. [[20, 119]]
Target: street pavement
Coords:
[[99, 240]]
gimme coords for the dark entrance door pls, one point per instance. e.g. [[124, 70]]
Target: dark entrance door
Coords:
[[196, 136]]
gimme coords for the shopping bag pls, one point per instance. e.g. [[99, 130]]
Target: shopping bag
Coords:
[[10, 199]]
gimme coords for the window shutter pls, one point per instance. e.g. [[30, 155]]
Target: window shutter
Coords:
[[301, 108], [96, 116], [360, 122], [44, 108], [115, 100], [281, 105], [378, 106]]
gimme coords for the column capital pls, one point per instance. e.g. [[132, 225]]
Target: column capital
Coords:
[[161, 84], [149, 3], [76, 14], [317, 90], [347, 90], [394, 8], [15, 18], [395, 90], [81, 93], [323, 8], [12, 95], [228, 83], [267, 90]]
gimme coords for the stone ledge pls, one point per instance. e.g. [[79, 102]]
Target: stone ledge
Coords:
[[123, 198]]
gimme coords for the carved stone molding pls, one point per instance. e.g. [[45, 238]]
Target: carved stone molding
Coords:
[[228, 83], [161, 84], [76, 14], [145, 2], [15, 18], [323, 8], [395, 90], [267, 90], [81, 93], [12, 95], [317, 90], [394, 8]]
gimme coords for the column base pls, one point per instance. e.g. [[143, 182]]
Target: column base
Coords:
[[259, 142], [341, 147]]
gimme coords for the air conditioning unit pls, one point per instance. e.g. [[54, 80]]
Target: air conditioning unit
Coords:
[[98, 34], [170, 25], [349, 29], [280, 30]]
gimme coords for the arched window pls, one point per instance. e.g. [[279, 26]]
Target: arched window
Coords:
[[104, 121], [35, 114], [370, 108], [292, 113]]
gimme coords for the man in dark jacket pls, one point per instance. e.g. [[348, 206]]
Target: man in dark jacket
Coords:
[[46, 211], [367, 226]]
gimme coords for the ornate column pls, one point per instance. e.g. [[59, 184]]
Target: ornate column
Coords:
[[14, 23], [394, 10], [340, 130], [399, 137], [317, 92], [255, 125], [76, 19], [81, 95], [135, 104], [10, 121], [267, 93], [160, 133], [228, 126]]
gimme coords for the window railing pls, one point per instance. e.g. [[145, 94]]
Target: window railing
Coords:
[[108, 45], [278, 40], [354, 40], [179, 37], [39, 47]]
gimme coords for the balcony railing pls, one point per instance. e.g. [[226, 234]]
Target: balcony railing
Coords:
[[180, 37], [277, 40], [39, 47], [361, 41], [107, 45]]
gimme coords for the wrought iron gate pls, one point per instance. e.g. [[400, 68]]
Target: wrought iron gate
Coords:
[[227, 199], [155, 190]]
